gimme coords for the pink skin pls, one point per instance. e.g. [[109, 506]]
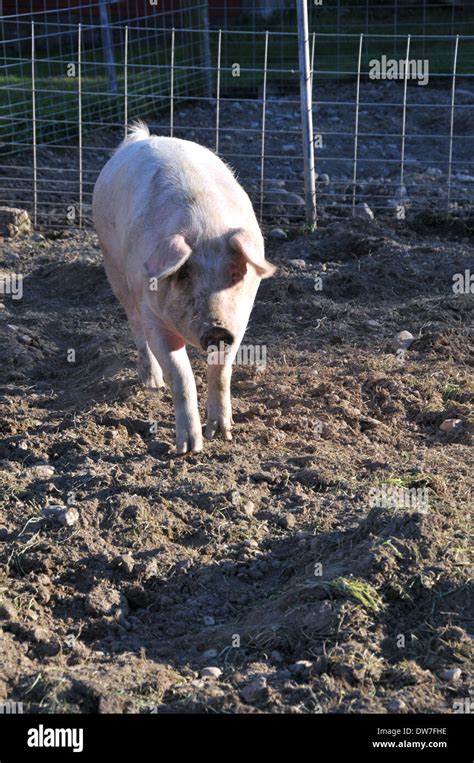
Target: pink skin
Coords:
[[182, 273]]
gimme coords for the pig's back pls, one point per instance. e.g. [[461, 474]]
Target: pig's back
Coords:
[[196, 179], [167, 184]]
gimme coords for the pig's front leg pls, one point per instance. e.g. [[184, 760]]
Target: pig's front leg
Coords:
[[170, 351], [219, 406]]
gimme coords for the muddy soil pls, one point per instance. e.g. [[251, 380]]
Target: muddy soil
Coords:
[[271, 559]]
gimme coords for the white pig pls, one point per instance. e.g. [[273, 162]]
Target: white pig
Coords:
[[184, 255]]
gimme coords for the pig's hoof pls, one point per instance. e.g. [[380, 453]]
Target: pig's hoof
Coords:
[[152, 382], [150, 379], [188, 441], [213, 426]]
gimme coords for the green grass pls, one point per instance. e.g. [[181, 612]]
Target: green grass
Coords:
[[451, 391], [358, 590], [418, 480]]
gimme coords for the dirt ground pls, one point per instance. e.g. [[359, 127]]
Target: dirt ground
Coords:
[[267, 558]]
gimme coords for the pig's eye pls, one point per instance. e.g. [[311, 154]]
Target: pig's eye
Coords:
[[183, 273], [237, 272]]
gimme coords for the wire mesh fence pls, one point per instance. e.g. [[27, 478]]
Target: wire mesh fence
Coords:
[[106, 57], [392, 102]]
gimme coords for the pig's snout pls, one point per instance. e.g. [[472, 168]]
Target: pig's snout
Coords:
[[215, 337]]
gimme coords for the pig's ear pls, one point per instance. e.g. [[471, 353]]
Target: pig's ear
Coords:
[[168, 257], [242, 242]]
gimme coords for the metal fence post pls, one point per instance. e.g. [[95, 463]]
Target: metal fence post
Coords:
[[33, 123], [451, 129], [125, 82], [79, 117], [206, 47], [107, 43], [218, 88], [306, 112]]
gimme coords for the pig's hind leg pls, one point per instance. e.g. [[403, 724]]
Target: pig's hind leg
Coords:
[[149, 370]]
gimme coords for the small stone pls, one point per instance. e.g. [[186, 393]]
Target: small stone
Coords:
[[434, 172], [403, 340], [43, 579], [452, 675], [323, 179], [369, 422], [208, 620], [237, 106], [287, 521], [451, 425], [63, 515], [102, 599], [14, 221], [236, 498], [301, 668], [276, 657], [364, 211], [254, 690], [43, 471], [248, 385], [465, 178], [248, 509], [150, 569], [68, 517], [210, 654], [250, 543], [124, 562], [288, 147], [373, 324], [293, 199], [211, 672], [396, 706], [277, 234], [298, 263]]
